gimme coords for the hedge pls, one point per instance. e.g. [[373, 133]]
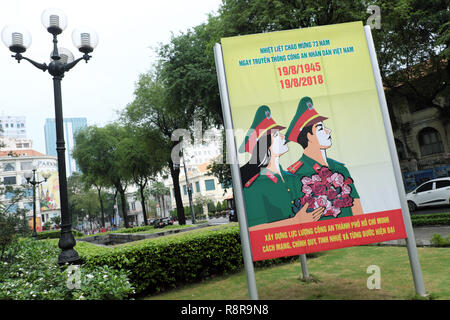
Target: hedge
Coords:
[[55, 234], [430, 219], [159, 264]]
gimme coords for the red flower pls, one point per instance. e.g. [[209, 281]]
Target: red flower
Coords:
[[348, 180], [331, 194], [324, 173], [318, 189], [348, 201], [307, 200], [338, 203]]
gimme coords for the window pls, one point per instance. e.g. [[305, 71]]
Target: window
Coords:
[[197, 186], [28, 206], [400, 150], [425, 187], [26, 165], [442, 184], [209, 185], [9, 180], [430, 142], [10, 167], [11, 208]]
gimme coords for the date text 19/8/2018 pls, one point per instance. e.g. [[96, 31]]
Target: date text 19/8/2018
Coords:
[[301, 82]]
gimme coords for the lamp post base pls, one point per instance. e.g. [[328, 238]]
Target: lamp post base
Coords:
[[69, 256], [68, 253]]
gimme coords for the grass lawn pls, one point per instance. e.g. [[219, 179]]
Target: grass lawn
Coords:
[[340, 274]]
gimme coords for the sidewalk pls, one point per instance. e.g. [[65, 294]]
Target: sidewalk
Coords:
[[423, 235]]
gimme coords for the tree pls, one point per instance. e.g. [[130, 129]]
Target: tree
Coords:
[[87, 203], [151, 111], [159, 191], [13, 220], [98, 153], [144, 156]]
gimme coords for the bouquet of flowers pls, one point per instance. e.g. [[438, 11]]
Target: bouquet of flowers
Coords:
[[328, 190]]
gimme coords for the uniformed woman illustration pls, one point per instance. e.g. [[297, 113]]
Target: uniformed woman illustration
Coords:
[[271, 194], [324, 182]]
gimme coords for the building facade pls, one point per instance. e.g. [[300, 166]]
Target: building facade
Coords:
[[421, 132], [12, 126], [205, 187], [71, 126], [12, 170]]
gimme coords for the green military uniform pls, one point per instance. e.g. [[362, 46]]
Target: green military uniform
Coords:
[[307, 167], [268, 196], [305, 116], [269, 199]]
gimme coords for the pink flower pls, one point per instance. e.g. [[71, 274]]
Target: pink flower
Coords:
[[306, 189], [322, 202], [346, 189], [316, 178], [337, 179], [306, 181]]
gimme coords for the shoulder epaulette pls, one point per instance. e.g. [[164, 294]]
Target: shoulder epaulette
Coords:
[[249, 182], [271, 177], [294, 167], [317, 167]]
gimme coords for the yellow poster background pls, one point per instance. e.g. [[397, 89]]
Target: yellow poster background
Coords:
[[347, 97]]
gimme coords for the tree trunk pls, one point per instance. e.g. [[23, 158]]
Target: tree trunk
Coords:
[[163, 205], [123, 201], [124, 207], [175, 173], [144, 210], [101, 205]]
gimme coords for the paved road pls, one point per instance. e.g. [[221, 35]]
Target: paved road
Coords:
[[428, 210]]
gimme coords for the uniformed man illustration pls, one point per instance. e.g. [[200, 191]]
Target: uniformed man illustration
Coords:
[[271, 194], [324, 182]]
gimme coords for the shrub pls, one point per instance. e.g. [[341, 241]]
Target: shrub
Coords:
[[30, 272], [159, 264], [440, 241], [55, 234], [430, 219]]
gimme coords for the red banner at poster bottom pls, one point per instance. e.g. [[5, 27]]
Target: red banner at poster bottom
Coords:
[[327, 235]]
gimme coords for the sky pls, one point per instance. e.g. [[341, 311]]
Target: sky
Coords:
[[128, 31]]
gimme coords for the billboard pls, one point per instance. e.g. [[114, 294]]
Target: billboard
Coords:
[[49, 193], [313, 153]]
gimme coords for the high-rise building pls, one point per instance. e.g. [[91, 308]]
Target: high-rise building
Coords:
[[71, 126], [12, 126]]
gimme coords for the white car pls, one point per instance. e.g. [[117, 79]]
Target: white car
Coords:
[[430, 193]]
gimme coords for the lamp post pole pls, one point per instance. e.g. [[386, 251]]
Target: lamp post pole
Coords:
[[62, 61], [31, 179]]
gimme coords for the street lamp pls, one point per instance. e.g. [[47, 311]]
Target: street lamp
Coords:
[[31, 179], [18, 39]]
